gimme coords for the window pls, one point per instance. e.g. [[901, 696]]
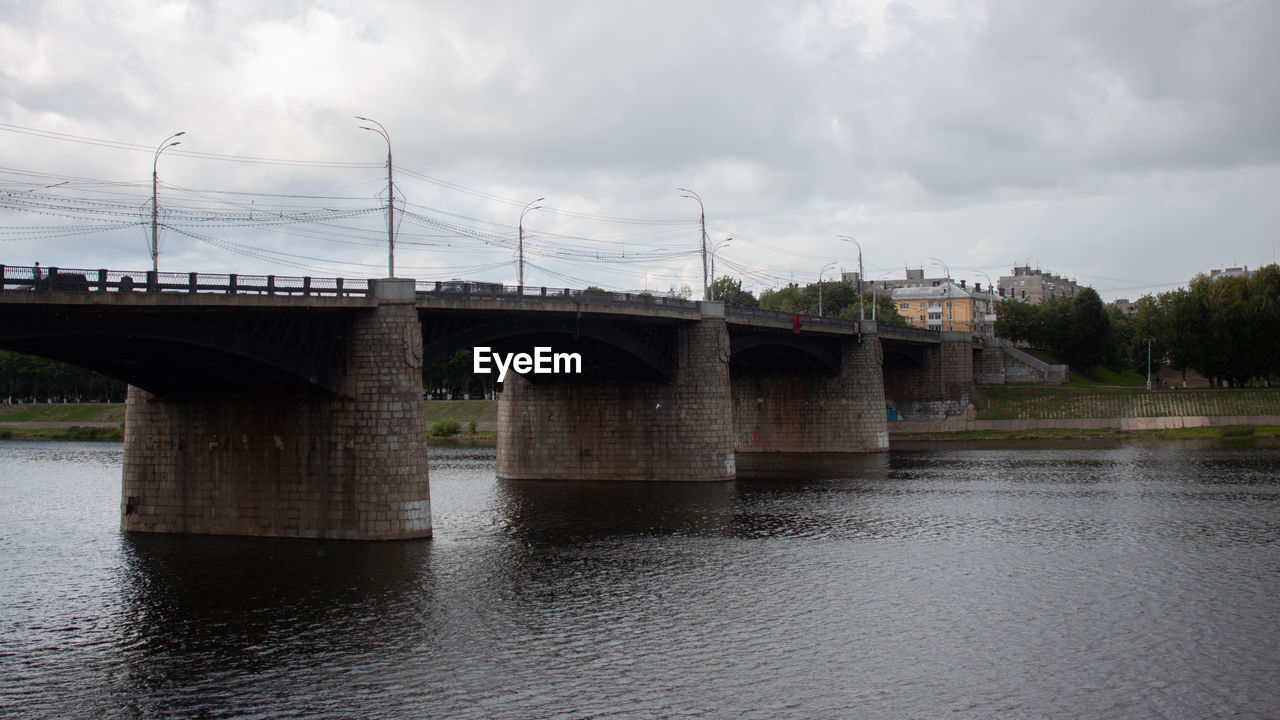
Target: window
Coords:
[[905, 306]]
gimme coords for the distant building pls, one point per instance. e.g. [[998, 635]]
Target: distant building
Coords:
[[1123, 305], [1035, 286], [948, 306], [914, 277], [1241, 272]]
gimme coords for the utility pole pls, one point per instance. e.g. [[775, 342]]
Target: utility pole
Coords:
[[155, 208], [527, 208], [391, 197], [702, 220]]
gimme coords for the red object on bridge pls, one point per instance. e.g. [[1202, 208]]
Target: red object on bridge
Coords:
[[795, 323]]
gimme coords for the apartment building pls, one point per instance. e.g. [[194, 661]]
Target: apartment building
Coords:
[[1035, 285], [948, 306]]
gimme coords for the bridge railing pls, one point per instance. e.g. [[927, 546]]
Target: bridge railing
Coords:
[[102, 280], [468, 289], [749, 314], [909, 333]]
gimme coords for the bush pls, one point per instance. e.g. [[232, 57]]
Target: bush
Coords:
[[1237, 431], [446, 427], [76, 432]]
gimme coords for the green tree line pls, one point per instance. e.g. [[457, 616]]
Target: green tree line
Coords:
[[1226, 329], [27, 378], [1077, 329], [839, 299]]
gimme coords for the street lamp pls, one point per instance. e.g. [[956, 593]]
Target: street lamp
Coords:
[[825, 268], [945, 290], [714, 248], [862, 313], [702, 220], [990, 298], [391, 197], [526, 209], [155, 209]]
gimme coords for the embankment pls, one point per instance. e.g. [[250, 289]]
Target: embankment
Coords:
[[1101, 409]]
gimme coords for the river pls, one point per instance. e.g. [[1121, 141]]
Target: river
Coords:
[[1066, 581]]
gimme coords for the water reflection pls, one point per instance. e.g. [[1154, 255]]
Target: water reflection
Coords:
[[556, 511], [1107, 582]]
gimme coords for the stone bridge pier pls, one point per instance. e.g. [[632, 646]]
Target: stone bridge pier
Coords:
[[936, 382], [801, 422], [292, 463], [567, 428]]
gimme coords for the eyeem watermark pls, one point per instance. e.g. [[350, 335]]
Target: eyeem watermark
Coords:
[[542, 362]]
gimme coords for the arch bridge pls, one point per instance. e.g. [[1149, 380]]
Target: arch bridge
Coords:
[[271, 405]]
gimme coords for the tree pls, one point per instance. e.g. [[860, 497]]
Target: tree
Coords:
[[1264, 320], [787, 299], [881, 307], [1016, 320], [730, 291], [1088, 331]]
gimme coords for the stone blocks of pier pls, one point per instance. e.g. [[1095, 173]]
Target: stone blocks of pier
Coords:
[[568, 429], [940, 387], [314, 465], [781, 419]]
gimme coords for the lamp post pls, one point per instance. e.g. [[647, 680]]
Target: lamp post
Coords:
[[702, 220], [526, 209], [714, 248], [155, 209], [391, 197], [990, 298], [825, 268], [945, 290], [862, 312]]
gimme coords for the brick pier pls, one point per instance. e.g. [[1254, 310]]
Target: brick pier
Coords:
[[783, 422], [626, 430], [939, 387], [295, 465]]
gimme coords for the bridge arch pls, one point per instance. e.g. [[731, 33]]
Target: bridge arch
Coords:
[[611, 347], [179, 353]]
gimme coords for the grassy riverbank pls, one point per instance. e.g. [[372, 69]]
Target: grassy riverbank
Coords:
[[1268, 434], [105, 421], [1036, 402], [477, 419]]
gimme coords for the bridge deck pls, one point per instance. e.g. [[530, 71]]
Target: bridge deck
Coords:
[[116, 288]]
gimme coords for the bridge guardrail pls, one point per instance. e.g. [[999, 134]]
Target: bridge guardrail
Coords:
[[743, 312], [909, 333], [102, 280], [471, 289]]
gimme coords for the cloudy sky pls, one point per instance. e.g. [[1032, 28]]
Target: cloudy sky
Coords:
[[1129, 144]]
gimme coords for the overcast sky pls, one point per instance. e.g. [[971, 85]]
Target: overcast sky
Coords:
[[1127, 144]]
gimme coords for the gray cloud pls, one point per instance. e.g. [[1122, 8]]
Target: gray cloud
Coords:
[[1095, 137]]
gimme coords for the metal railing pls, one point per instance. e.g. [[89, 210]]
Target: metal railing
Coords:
[[102, 280], [910, 333], [36, 278], [469, 289], [749, 314]]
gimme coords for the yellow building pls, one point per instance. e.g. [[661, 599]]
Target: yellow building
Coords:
[[948, 306]]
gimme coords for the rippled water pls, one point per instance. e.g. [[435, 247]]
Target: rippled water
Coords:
[[1117, 582]]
